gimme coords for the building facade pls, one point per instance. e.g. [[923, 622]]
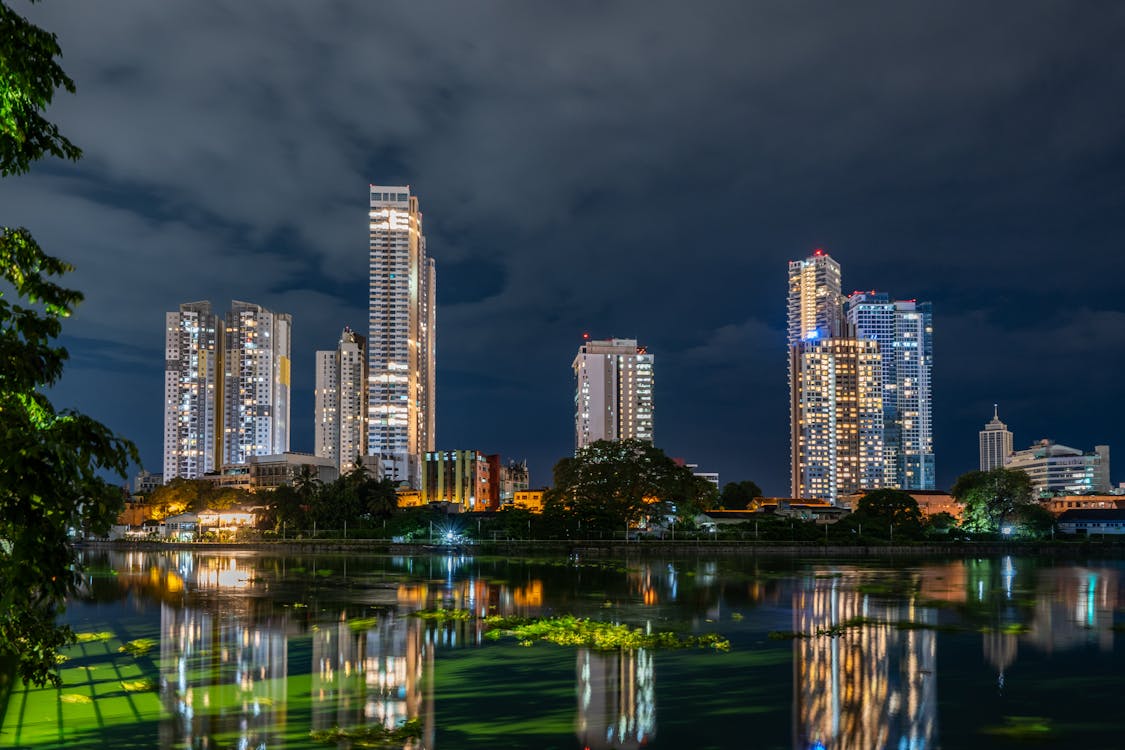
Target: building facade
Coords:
[[815, 304], [903, 329], [613, 397], [193, 388], [837, 417], [340, 401], [1061, 470], [464, 479], [256, 382], [995, 442], [514, 477], [401, 335]]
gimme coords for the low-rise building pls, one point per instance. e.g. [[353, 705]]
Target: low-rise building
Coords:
[[465, 479], [514, 477], [180, 528], [1061, 470], [146, 483], [1092, 522], [930, 502], [267, 472], [1062, 503], [529, 499]]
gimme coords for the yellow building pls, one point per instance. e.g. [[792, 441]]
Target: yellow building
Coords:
[[529, 499], [408, 498]]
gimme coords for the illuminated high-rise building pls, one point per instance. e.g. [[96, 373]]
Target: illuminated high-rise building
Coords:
[[903, 329], [256, 378], [613, 392], [995, 442], [402, 330], [835, 407], [341, 401], [816, 304], [837, 417], [192, 391]]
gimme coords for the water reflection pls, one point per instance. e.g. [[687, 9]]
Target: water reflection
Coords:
[[616, 699], [256, 651], [872, 686], [376, 671]]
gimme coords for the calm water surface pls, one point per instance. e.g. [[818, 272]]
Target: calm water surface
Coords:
[[259, 651]]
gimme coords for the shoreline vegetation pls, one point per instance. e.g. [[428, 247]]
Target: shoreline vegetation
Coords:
[[658, 548]]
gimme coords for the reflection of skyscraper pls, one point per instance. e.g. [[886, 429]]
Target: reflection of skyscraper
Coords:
[[374, 673], [616, 698], [206, 656], [871, 687]]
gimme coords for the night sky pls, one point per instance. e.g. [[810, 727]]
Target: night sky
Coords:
[[640, 170]]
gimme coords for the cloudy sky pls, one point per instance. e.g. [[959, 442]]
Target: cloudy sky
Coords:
[[625, 169]]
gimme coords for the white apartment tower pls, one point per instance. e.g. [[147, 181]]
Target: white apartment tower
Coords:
[[192, 391], [995, 442], [401, 335], [341, 401], [256, 377], [903, 329], [613, 392]]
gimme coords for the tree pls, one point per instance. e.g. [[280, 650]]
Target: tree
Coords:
[[51, 462], [892, 509], [611, 484], [740, 495], [991, 498]]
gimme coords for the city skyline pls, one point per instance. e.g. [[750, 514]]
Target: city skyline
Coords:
[[550, 212]]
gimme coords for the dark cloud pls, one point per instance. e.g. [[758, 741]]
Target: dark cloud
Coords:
[[632, 169]]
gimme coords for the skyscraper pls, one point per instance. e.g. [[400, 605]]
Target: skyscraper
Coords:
[[613, 392], [995, 442], [341, 401], [816, 305], [256, 355], [836, 407], [837, 417], [903, 329], [402, 330], [192, 391]]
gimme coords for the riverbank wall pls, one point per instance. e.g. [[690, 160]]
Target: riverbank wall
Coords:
[[647, 548]]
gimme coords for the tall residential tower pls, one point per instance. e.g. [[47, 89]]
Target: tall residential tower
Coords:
[[401, 327], [341, 401], [613, 392], [903, 329], [193, 387], [256, 376], [835, 399]]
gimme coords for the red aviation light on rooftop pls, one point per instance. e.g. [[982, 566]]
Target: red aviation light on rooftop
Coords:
[[585, 337], [818, 252]]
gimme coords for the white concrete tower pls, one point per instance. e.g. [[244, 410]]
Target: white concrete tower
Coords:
[[192, 391], [256, 356], [613, 392], [341, 401], [402, 333], [995, 442]]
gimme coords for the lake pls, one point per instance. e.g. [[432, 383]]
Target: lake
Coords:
[[253, 650]]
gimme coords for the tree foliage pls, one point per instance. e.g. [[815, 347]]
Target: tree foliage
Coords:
[[992, 497], [29, 77], [893, 509], [611, 484], [51, 462], [740, 495]]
